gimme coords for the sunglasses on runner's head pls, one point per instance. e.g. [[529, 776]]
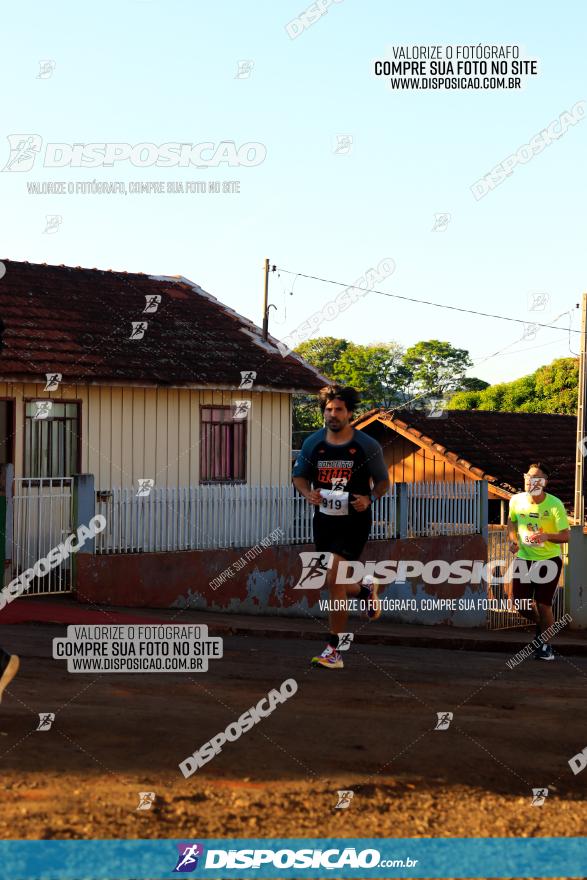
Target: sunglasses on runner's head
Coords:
[[535, 478]]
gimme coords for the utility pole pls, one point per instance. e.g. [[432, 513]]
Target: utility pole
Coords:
[[581, 450], [266, 301]]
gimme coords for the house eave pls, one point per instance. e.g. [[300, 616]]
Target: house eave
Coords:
[[40, 379]]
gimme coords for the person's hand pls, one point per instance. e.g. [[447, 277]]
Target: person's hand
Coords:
[[314, 497], [361, 503], [514, 547], [538, 538]]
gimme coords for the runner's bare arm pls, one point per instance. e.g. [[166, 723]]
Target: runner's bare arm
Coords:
[[304, 488], [381, 487], [513, 536], [555, 537], [362, 502]]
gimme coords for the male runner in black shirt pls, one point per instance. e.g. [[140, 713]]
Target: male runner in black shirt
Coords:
[[335, 471]]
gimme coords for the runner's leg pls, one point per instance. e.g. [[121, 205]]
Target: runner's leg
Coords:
[[522, 589], [544, 593], [338, 619], [8, 668]]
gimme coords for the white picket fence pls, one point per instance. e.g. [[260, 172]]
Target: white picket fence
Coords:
[[443, 508], [207, 517], [42, 517]]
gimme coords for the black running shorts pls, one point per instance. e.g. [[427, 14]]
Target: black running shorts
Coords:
[[344, 535], [540, 592]]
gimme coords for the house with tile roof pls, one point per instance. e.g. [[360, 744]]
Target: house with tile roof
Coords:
[[126, 376], [465, 445]]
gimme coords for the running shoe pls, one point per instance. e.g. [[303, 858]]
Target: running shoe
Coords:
[[8, 672], [538, 649], [373, 603], [329, 658], [545, 653]]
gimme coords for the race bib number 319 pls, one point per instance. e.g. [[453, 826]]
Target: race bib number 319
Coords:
[[334, 502]]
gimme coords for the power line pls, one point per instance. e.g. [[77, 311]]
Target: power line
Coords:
[[426, 302]]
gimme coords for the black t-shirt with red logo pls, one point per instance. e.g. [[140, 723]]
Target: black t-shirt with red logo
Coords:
[[351, 467]]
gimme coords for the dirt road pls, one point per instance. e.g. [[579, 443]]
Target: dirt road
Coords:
[[369, 729]]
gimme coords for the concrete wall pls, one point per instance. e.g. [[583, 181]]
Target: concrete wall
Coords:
[[265, 583]]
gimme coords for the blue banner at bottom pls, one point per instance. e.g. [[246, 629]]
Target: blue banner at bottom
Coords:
[[283, 858]]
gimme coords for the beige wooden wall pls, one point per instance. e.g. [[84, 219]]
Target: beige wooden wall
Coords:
[[128, 433]]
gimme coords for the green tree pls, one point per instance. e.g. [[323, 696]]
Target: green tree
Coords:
[[377, 372], [550, 389], [306, 418], [470, 383], [437, 367], [323, 353]]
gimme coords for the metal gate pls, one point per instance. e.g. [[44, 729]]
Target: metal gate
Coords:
[[498, 548], [42, 518]]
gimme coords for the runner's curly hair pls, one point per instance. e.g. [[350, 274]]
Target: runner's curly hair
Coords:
[[349, 396]]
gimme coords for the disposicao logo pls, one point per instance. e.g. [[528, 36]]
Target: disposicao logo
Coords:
[[188, 857]]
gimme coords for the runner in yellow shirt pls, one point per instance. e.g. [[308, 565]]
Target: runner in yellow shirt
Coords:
[[537, 526]]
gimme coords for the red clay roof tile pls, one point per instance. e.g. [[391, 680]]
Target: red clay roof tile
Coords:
[[497, 445], [77, 322]]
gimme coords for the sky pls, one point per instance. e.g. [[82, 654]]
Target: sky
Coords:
[[353, 172]]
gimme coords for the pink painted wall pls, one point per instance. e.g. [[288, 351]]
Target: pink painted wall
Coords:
[[264, 583]]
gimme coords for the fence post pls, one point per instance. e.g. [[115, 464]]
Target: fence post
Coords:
[[484, 508], [6, 516], [576, 589], [402, 501], [6, 480], [83, 509]]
